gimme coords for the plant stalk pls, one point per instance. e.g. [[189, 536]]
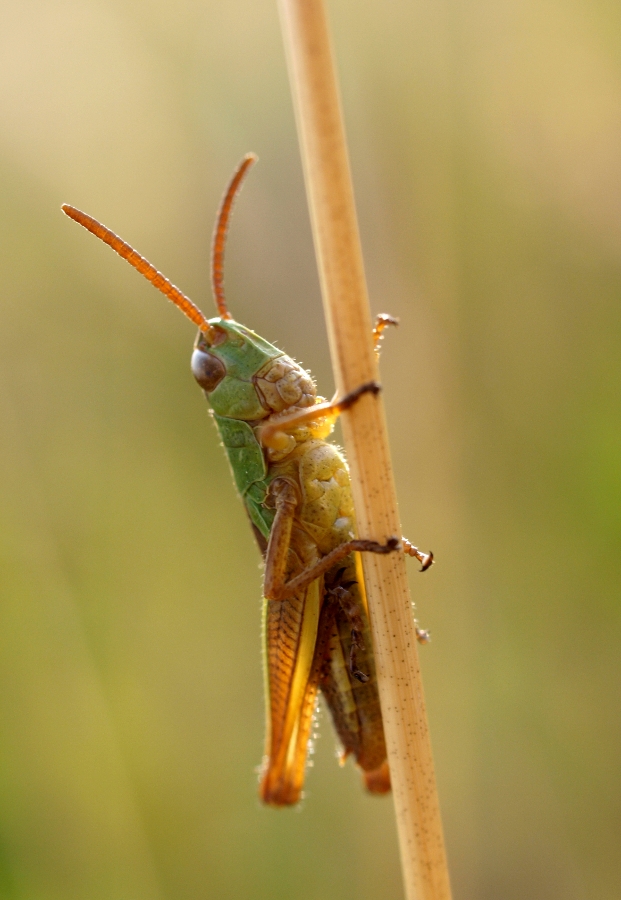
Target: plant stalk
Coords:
[[337, 245]]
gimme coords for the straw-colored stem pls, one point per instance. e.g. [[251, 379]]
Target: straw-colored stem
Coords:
[[337, 244]]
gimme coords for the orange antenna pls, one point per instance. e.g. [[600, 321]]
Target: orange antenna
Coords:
[[219, 235], [143, 266]]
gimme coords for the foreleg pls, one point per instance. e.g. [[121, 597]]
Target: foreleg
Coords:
[[381, 321], [272, 433]]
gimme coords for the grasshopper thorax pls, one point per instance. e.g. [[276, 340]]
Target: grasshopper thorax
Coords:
[[245, 377]]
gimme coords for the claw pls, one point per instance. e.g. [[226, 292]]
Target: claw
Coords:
[[425, 559]]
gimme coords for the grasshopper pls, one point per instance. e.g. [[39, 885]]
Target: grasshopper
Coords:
[[296, 490]]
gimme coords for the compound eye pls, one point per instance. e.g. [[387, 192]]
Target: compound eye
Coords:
[[207, 369]]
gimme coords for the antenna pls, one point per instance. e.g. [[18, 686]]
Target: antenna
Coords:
[[220, 231], [144, 267]]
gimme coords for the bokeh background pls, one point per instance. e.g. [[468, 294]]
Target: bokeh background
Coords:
[[486, 152]]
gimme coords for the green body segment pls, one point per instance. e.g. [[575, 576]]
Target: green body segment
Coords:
[[244, 355], [235, 402], [249, 469]]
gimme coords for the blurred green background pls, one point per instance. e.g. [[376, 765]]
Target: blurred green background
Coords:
[[486, 152]]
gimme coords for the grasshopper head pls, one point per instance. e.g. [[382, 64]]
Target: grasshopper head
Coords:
[[244, 376], [226, 367]]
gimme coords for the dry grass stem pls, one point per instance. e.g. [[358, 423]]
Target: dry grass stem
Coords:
[[337, 245]]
